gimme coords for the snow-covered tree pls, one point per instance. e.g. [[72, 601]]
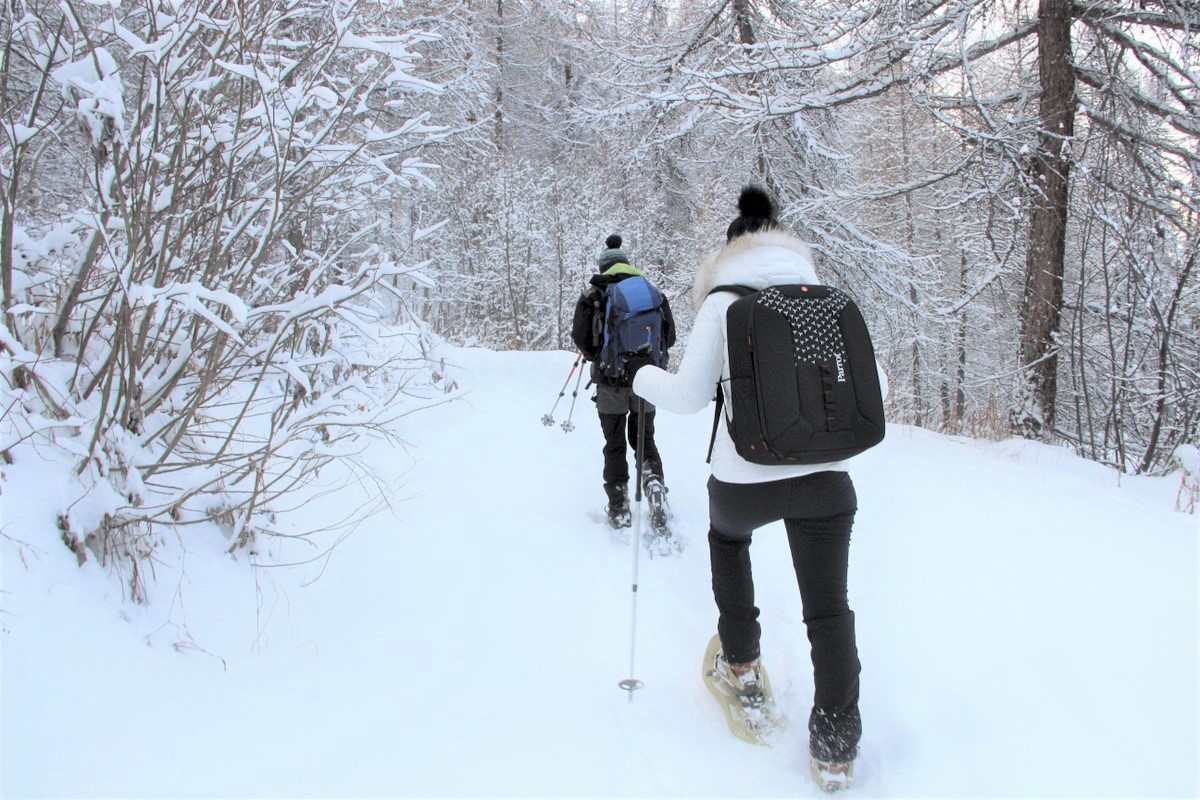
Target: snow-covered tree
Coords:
[[971, 207], [193, 311]]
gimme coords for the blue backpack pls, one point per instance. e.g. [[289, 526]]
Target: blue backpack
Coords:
[[633, 324]]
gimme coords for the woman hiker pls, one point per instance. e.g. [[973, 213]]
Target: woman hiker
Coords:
[[817, 503]]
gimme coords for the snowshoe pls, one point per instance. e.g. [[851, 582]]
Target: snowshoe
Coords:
[[831, 776], [658, 536], [656, 496], [745, 697], [619, 516]]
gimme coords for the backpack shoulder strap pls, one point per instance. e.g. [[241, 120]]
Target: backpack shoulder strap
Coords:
[[739, 290], [712, 440]]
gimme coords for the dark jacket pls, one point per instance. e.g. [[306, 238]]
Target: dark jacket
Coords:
[[587, 325]]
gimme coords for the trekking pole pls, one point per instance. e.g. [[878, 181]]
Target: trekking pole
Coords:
[[569, 426], [548, 419], [632, 684]]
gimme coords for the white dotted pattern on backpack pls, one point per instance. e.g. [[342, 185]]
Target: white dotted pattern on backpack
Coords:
[[816, 336]]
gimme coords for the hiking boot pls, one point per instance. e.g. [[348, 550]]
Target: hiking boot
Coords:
[[617, 509], [831, 776], [744, 680], [833, 740]]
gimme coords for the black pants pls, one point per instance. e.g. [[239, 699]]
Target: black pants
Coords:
[[619, 421], [818, 513], [617, 428]]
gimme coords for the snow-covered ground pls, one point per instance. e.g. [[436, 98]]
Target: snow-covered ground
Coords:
[[1028, 626]]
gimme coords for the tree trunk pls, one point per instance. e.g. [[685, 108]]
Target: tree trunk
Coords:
[[498, 115], [1164, 357], [741, 15], [8, 207], [910, 243], [1042, 302]]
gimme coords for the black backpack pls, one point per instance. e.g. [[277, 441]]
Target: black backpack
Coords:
[[803, 385]]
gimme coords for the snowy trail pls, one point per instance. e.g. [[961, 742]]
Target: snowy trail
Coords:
[[1028, 626]]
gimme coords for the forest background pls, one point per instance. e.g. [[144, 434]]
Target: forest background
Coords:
[[235, 232]]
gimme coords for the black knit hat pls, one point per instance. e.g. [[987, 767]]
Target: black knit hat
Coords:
[[757, 213], [612, 253]]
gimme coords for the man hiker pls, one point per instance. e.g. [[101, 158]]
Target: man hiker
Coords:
[[619, 317]]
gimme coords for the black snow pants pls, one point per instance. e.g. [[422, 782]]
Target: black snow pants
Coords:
[[818, 513], [619, 420]]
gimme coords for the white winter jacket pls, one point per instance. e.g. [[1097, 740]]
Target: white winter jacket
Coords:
[[757, 260]]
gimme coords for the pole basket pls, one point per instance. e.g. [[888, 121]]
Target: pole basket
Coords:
[[547, 420]]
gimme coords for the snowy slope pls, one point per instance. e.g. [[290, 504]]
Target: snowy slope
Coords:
[[1028, 625]]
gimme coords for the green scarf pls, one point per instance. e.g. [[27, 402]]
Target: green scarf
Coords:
[[623, 269]]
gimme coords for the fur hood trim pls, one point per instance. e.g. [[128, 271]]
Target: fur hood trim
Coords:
[[757, 260]]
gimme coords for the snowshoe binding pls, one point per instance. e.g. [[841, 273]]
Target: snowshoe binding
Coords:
[[656, 496], [831, 776], [657, 535]]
